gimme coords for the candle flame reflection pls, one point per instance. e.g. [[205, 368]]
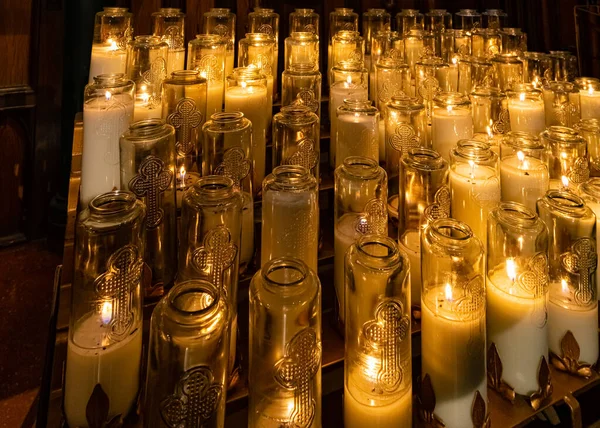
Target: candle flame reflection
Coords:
[[591, 91], [106, 312], [107, 95], [511, 269], [448, 292], [522, 96], [182, 176], [564, 286], [565, 182]]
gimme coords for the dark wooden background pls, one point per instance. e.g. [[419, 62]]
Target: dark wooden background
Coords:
[[45, 50]]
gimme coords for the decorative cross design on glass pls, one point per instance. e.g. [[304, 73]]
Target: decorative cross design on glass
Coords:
[[581, 261], [502, 125], [154, 77], [307, 98], [216, 254], [385, 334], [565, 113], [263, 63], [348, 26], [265, 29], [355, 55], [579, 172], [310, 28], [195, 400], [209, 67], [468, 296], [374, 218], [440, 207], [487, 194], [109, 129], [305, 156], [173, 37], [123, 272], [185, 118], [122, 39], [426, 52], [221, 30], [404, 138], [296, 370], [463, 49], [151, 181], [234, 165], [428, 88], [394, 53], [534, 281], [389, 89]]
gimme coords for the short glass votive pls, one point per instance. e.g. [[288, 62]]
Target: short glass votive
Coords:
[[566, 156], [589, 98], [302, 48], [257, 50], [537, 68], [347, 46], [451, 121], [561, 103], [526, 109], [513, 41], [474, 72], [207, 54], [357, 131], [112, 32], [393, 79], [485, 42], [590, 130], [169, 24], [301, 84], [508, 71], [490, 111]]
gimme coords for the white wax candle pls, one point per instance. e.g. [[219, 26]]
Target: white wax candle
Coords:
[[448, 77], [590, 104], [176, 61], [345, 234], [448, 126], [214, 98], [144, 109], [482, 114], [107, 60], [527, 115], [516, 323], [410, 243], [475, 191], [229, 62], [412, 51], [247, 245], [253, 102], [395, 414], [104, 120], [523, 179], [91, 361], [381, 138], [357, 136]]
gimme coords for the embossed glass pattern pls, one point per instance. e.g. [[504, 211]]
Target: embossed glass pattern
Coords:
[[373, 21], [409, 19], [342, 19], [474, 72], [169, 24], [357, 131], [589, 129], [485, 42], [257, 50], [264, 21], [490, 111], [561, 103], [393, 80], [566, 156], [112, 31], [507, 71], [347, 46], [513, 41], [384, 44], [301, 84], [305, 20], [427, 83], [207, 55], [451, 121], [302, 48], [221, 21], [537, 68]]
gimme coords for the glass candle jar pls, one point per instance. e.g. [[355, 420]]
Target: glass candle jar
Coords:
[[405, 128], [427, 85], [104, 346], [451, 121], [184, 108], [537, 68], [358, 131], [188, 353], [425, 196], [302, 48], [148, 171], [517, 294], [513, 41], [453, 321], [284, 378], [107, 112], [409, 19], [564, 65], [296, 139], [507, 71], [207, 54], [474, 184], [246, 92], [265, 21], [561, 104], [347, 46], [384, 44], [474, 72], [373, 21], [301, 84], [413, 47], [485, 42], [112, 32], [393, 80], [342, 19], [378, 366], [221, 21], [169, 24], [304, 20], [590, 193], [572, 256], [490, 112], [524, 174], [566, 156], [462, 42], [467, 19], [494, 18], [360, 208], [526, 109], [257, 50], [590, 130], [437, 20], [290, 215], [589, 99]]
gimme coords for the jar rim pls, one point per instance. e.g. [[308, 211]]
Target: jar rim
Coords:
[[409, 12], [591, 187], [565, 202], [562, 134], [213, 185], [360, 167], [304, 10], [522, 140], [204, 294], [450, 232], [474, 150], [227, 116], [590, 125], [424, 158], [110, 203], [364, 246], [514, 214], [297, 266], [147, 128], [292, 175], [347, 35], [452, 99]]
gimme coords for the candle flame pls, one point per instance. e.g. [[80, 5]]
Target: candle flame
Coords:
[[448, 292], [107, 95], [522, 96], [591, 91], [536, 82], [243, 84], [511, 269], [521, 156], [563, 155], [203, 74], [565, 182], [489, 131], [454, 60], [113, 45], [145, 97], [182, 175], [349, 79], [564, 286], [106, 312]]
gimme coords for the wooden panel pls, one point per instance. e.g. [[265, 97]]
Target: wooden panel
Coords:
[[142, 10], [194, 13], [15, 40]]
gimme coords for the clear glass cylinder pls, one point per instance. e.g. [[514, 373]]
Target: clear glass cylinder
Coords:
[[526, 109], [373, 21], [425, 196], [537, 68], [437, 20], [573, 302], [384, 44], [360, 188], [462, 42], [494, 18], [453, 320], [284, 378], [112, 32], [393, 80], [184, 108], [490, 111], [474, 72], [451, 121], [590, 193], [589, 99], [564, 65], [409, 19], [290, 215], [257, 50], [301, 84], [357, 131], [427, 85], [246, 91], [207, 54], [524, 176], [517, 294], [467, 19], [513, 41], [304, 20], [148, 171], [107, 113], [566, 156], [474, 184], [485, 42], [589, 129], [296, 138], [169, 24], [265, 21], [347, 46], [405, 128], [413, 47], [147, 60], [221, 21], [104, 346], [228, 151], [302, 49], [508, 71], [188, 353], [378, 363], [342, 19], [561, 106]]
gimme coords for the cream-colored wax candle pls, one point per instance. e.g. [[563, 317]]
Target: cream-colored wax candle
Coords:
[[107, 60], [526, 114], [344, 235], [176, 61], [247, 245], [146, 108], [448, 126], [589, 101], [357, 135], [410, 243], [397, 413], [523, 179]]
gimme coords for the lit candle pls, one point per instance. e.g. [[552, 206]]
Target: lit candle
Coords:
[[214, 95], [357, 131], [145, 107], [413, 47], [523, 179], [589, 100], [448, 76], [526, 114], [185, 180], [107, 60], [448, 126], [176, 61], [229, 55]]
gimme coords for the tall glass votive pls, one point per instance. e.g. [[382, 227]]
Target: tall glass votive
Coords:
[[427, 84], [107, 112], [494, 18], [526, 109], [302, 48], [221, 21], [228, 151], [451, 121], [517, 296], [265, 21], [589, 99], [467, 19], [246, 91], [290, 215], [507, 71], [453, 323], [409, 19], [296, 138], [384, 44], [485, 42], [474, 72], [207, 54], [524, 174], [147, 58], [513, 41], [347, 46], [474, 184], [573, 305], [566, 156], [490, 111], [413, 47], [564, 65], [373, 21], [257, 50], [284, 378], [104, 346], [462, 42], [169, 24], [187, 357], [301, 84], [357, 131], [360, 209], [393, 80], [537, 68], [304, 20], [112, 32], [378, 366], [561, 104], [342, 19], [590, 193], [437, 20], [424, 197], [148, 171], [590, 130]]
